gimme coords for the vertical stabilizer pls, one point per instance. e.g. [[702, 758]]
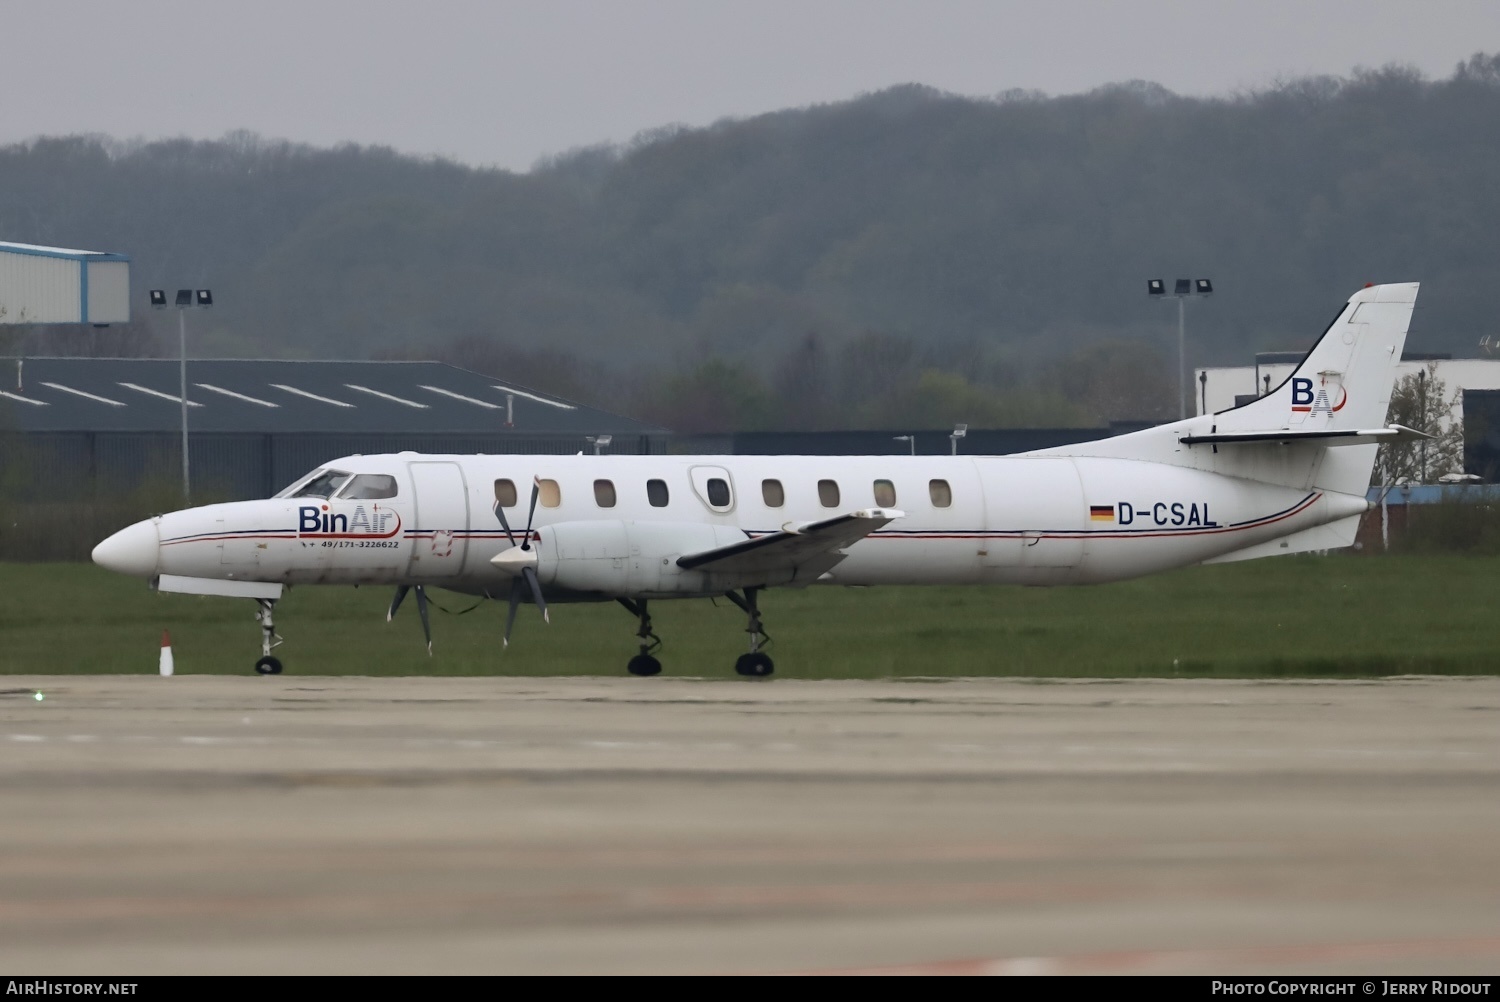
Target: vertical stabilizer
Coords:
[[1346, 380], [1343, 385]]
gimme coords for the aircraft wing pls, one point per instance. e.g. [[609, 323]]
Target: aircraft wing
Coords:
[[1349, 436], [808, 549]]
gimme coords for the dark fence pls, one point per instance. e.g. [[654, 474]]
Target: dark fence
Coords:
[[237, 466], [62, 492]]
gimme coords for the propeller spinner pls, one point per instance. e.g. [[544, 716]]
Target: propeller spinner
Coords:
[[520, 562]]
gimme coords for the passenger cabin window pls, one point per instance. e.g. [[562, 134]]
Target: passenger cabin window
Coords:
[[604, 493], [505, 493], [369, 487], [941, 493], [772, 493], [718, 492], [551, 494], [885, 494], [323, 485], [828, 493], [656, 493]]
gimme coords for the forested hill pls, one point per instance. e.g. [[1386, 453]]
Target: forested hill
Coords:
[[907, 255]]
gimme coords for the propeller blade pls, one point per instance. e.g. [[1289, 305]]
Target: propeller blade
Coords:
[[500, 514], [516, 590], [529, 573], [536, 490], [422, 611], [401, 591]]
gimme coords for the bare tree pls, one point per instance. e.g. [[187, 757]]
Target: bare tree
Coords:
[[1421, 401]]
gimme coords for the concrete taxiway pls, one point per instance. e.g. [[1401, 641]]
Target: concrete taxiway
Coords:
[[411, 825]]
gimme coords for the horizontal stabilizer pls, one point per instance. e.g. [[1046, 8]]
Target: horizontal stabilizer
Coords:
[[1285, 436], [216, 586], [795, 546]]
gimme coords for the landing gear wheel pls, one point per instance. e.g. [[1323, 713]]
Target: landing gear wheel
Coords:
[[269, 641], [755, 665], [644, 664]]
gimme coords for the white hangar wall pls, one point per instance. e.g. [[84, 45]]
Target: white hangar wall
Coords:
[[58, 285]]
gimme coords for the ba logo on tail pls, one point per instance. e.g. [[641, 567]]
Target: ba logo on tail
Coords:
[[1306, 401]]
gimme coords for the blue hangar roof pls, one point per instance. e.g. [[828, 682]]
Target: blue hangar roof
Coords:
[[129, 394]]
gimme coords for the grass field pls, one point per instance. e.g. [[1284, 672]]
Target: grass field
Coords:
[[1316, 617]]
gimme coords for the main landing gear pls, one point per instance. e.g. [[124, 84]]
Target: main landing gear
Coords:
[[269, 640], [643, 663], [756, 664]]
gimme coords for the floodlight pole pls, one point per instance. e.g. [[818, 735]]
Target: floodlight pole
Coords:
[[1181, 360], [182, 382], [1184, 288]]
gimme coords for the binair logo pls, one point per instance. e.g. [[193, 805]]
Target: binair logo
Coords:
[[315, 522], [1307, 401]]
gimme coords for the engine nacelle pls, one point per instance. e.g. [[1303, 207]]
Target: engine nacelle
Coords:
[[633, 558]]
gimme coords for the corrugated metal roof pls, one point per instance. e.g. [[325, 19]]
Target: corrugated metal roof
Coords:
[[113, 394]]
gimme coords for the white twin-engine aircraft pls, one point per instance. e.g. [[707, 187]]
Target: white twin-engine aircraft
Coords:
[[1283, 474]]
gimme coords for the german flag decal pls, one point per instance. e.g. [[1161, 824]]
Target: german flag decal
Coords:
[[1101, 513]]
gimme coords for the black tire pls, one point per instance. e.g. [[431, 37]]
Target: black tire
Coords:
[[268, 666], [644, 665], [755, 665]]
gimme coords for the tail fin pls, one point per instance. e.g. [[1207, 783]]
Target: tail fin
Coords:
[[1338, 396], [1345, 382]]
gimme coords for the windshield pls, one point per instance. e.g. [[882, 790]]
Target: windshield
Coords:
[[317, 484], [368, 487]]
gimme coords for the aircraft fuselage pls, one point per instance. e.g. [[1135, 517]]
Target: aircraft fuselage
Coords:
[[1033, 520]]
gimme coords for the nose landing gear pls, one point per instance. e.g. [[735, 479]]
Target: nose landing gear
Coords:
[[756, 664], [269, 640], [643, 663]]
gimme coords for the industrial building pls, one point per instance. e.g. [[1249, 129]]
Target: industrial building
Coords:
[[108, 425], [57, 285]]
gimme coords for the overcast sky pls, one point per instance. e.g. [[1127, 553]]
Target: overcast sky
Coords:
[[503, 83]]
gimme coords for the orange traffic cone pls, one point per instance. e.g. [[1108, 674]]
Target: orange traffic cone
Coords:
[[166, 653]]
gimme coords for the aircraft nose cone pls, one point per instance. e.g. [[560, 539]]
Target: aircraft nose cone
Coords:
[[133, 550]]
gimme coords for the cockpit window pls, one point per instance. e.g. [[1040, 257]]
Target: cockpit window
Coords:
[[317, 484], [369, 487]]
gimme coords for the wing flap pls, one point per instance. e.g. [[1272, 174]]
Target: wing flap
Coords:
[[795, 547], [1284, 436]]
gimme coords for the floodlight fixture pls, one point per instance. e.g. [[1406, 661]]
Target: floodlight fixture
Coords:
[[184, 297], [910, 439], [1203, 287], [159, 298], [1184, 287], [204, 297], [599, 441], [959, 431], [1156, 287]]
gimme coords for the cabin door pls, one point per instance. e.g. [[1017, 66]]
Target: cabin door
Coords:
[[440, 517]]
